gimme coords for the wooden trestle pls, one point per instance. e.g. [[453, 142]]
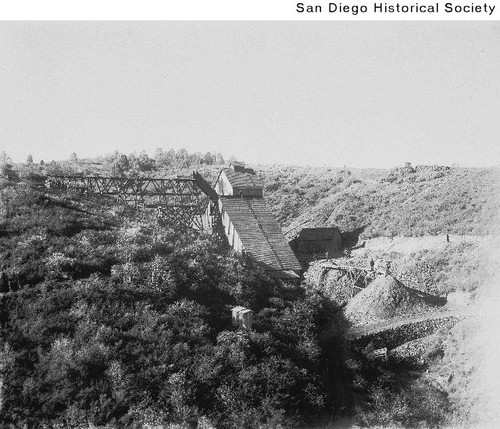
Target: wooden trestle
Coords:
[[359, 277], [178, 201]]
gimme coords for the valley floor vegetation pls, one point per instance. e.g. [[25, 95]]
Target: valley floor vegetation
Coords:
[[123, 322]]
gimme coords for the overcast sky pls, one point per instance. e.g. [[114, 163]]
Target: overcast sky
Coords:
[[361, 94]]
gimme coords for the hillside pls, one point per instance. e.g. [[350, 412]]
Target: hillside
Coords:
[[404, 201], [110, 318], [424, 200], [403, 217]]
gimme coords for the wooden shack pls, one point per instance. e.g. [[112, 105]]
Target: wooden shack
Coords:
[[317, 241], [243, 317]]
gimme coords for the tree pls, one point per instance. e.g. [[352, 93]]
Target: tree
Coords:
[[4, 158], [182, 159], [7, 171], [208, 158], [121, 165], [73, 157], [219, 159], [161, 158], [53, 168], [29, 159], [141, 162]]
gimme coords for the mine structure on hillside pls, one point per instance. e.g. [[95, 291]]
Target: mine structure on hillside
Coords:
[[313, 242], [246, 220], [359, 277], [234, 208], [181, 201]]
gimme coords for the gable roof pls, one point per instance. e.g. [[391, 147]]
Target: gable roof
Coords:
[[260, 234], [313, 234], [246, 179]]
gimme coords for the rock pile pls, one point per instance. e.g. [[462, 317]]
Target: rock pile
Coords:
[[387, 298]]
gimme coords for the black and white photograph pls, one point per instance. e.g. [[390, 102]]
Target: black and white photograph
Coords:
[[250, 224]]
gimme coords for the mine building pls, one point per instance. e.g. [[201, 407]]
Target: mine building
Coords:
[[248, 224], [240, 181], [317, 241]]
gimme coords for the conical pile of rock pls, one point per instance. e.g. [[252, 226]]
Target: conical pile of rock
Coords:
[[386, 298]]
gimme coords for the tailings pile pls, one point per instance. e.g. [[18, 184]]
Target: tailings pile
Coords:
[[387, 298]]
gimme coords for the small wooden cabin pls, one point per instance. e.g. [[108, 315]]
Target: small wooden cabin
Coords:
[[317, 241], [243, 317]]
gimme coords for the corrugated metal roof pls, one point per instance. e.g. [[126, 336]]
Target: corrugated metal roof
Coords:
[[318, 233], [260, 233], [246, 180]]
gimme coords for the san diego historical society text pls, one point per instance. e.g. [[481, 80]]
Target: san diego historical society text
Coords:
[[405, 8]]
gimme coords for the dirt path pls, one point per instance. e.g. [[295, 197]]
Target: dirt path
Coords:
[[394, 333], [415, 244]]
